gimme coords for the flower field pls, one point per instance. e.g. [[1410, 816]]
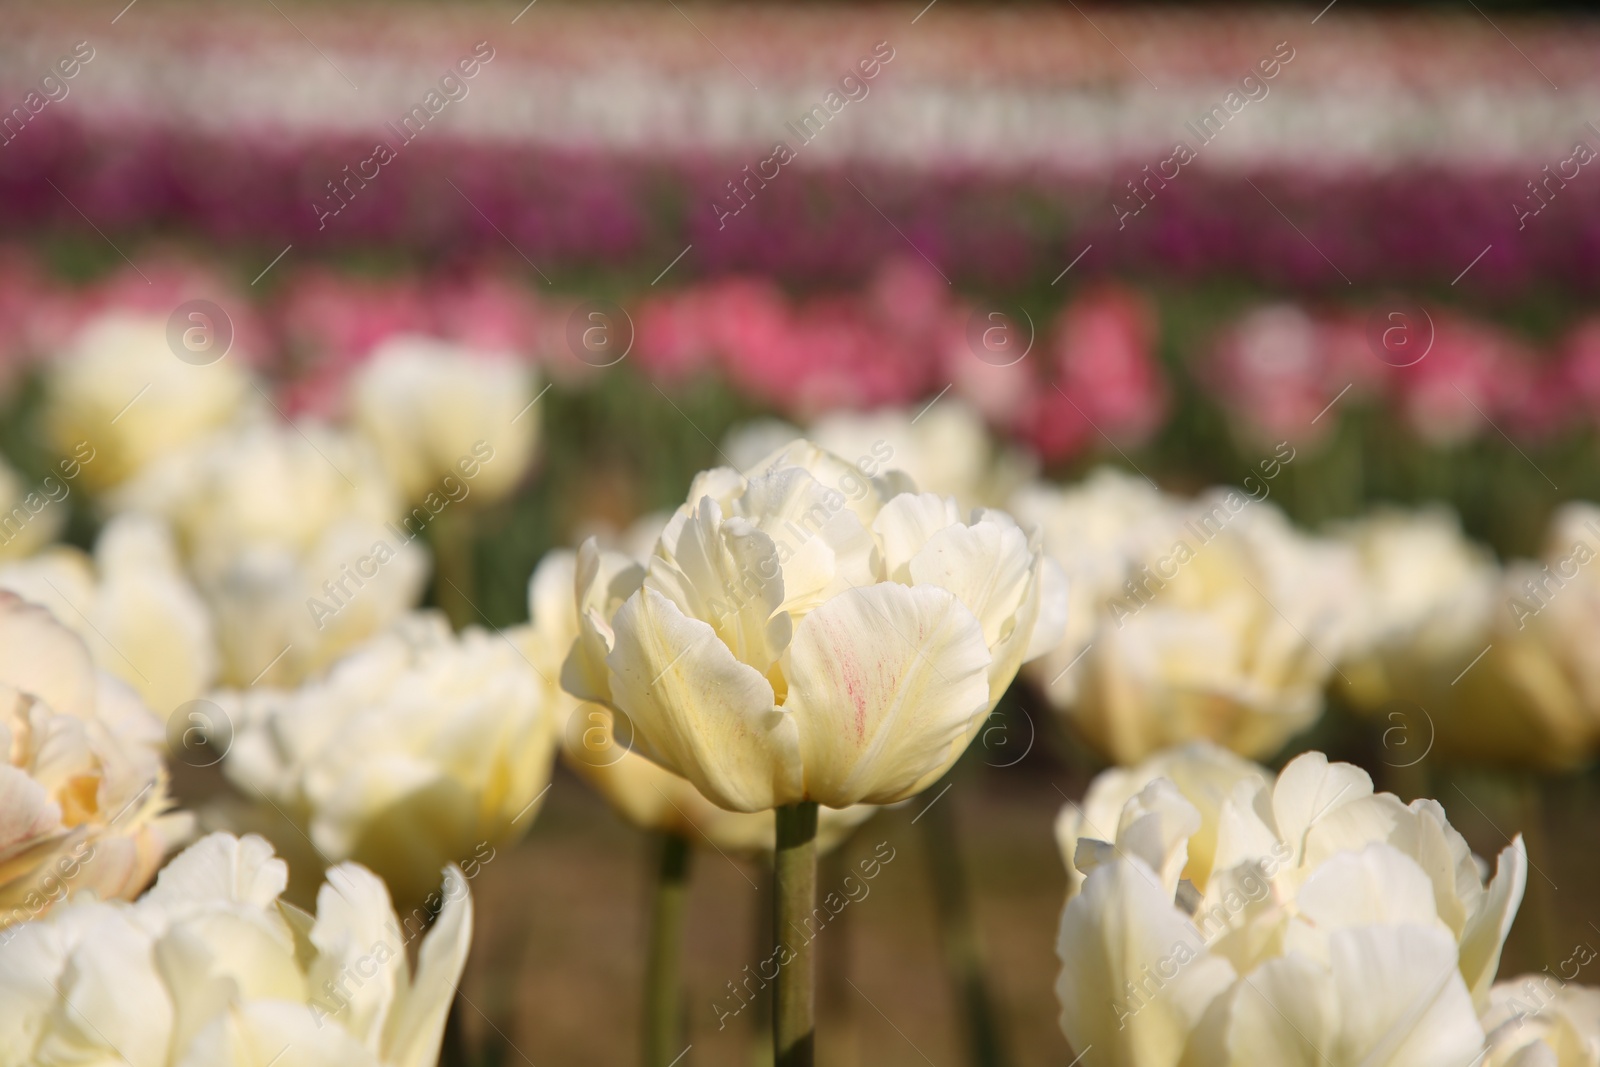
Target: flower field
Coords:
[[786, 533]]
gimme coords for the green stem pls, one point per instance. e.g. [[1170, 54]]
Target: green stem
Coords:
[[454, 573], [963, 948], [795, 896], [663, 993]]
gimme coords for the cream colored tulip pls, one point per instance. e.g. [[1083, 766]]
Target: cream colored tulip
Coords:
[[30, 516], [945, 448], [1316, 922], [120, 387], [1425, 590], [448, 420], [295, 540], [211, 969], [642, 792], [793, 640], [1539, 1021], [132, 605], [83, 793], [1504, 672], [419, 748], [1098, 532], [1229, 631]]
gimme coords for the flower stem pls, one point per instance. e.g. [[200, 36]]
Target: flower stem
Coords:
[[663, 993], [454, 575], [963, 948], [795, 871]]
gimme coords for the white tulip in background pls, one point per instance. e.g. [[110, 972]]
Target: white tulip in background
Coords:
[[419, 748], [1097, 531], [211, 969], [642, 792], [1425, 593], [1499, 658], [294, 536], [120, 387], [945, 448], [83, 793], [792, 640], [1229, 629], [430, 404], [1316, 922], [132, 604]]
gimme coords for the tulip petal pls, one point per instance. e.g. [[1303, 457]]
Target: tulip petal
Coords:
[[906, 523], [356, 934], [219, 868], [729, 574], [1309, 790], [700, 712], [1283, 1013], [603, 581], [1135, 975], [1377, 885], [276, 1033], [416, 1024], [886, 685], [1485, 933], [821, 543], [1155, 827], [1402, 1002]]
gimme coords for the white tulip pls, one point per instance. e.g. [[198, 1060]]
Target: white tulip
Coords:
[[1425, 591], [809, 634], [83, 793], [419, 748], [1229, 630], [1315, 922], [211, 969], [132, 605], [1539, 1021], [120, 387], [294, 538], [642, 792], [1098, 532], [437, 411], [1502, 670]]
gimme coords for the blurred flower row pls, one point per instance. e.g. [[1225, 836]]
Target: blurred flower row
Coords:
[[1088, 377]]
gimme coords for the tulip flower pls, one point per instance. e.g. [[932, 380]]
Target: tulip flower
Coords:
[[84, 807], [121, 387], [645, 793], [1425, 588], [1316, 922], [419, 748], [791, 641], [641, 791], [1228, 627], [809, 635], [211, 967], [295, 538], [1502, 669], [1537, 1020], [436, 410], [1097, 532], [132, 604]]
